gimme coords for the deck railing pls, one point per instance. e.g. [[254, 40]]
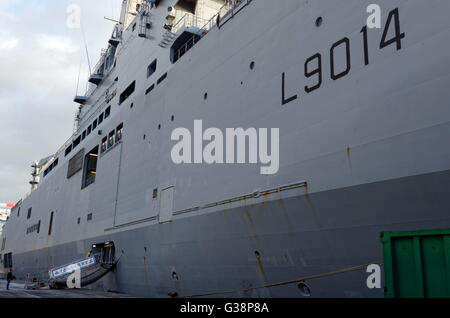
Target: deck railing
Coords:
[[224, 14]]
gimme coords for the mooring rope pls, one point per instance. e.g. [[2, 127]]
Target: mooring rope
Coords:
[[289, 282]]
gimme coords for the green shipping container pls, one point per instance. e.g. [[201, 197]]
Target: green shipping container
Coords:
[[417, 264]]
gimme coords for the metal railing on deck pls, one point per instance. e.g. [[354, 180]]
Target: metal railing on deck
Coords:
[[225, 13], [235, 8], [188, 21]]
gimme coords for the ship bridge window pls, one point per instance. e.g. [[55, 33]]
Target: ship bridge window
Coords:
[[107, 112], [29, 213], [127, 93], [90, 168], [151, 68]]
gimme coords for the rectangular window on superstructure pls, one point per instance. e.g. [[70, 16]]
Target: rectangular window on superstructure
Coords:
[[68, 150], [111, 139], [127, 92], [94, 124], [75, 164], [107, 112], [29, 213], [104, 144], [149, 89], [151, 68], [162, 78], [119, 132], [18, 212], [83, 135], [38, 227], [7, 261], [50, 225], [89, 129], [76, 142], [90, 168], [100, 118]]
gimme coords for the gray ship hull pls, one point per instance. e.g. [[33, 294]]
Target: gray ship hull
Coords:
[[295, 237], [364, 148]]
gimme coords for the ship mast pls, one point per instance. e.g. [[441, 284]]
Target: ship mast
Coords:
[[130, 9], [123, 12]]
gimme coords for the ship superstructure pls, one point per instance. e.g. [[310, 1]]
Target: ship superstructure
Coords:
[[363, 118], [5, 211]]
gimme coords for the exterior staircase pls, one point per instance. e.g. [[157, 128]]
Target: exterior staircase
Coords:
[[167, 39]]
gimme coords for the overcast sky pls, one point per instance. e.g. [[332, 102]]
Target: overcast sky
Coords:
[[40, 59]]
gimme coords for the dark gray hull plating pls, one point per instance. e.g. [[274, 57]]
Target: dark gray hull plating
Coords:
[[295, 237]]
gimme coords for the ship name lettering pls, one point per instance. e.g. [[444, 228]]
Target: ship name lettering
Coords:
[[340, 59]]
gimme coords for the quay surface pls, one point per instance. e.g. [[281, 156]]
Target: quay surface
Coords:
[[17, 290]]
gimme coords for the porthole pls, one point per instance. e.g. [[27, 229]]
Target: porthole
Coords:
[[252, 65], [319, 21], [172, 118], [205, 96]]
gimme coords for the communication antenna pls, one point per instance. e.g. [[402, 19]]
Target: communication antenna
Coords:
[[85, 45], [109, 19], [79, 74]]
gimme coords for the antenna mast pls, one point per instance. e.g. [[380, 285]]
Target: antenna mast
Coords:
[[123, 12]]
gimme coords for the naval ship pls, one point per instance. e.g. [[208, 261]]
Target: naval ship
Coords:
[[364, 123]]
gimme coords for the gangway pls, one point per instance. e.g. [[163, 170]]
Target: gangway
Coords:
[[92, 269]]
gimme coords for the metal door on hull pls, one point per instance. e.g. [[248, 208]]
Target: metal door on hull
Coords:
[[166, 205]]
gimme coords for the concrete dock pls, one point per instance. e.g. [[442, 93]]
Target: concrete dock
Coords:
[[17, 290]]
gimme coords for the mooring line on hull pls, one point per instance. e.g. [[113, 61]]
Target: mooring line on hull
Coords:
[[289, 282]]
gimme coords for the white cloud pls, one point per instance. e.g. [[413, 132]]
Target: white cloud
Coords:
[[62, 44], [39, 63], [9, 44]]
